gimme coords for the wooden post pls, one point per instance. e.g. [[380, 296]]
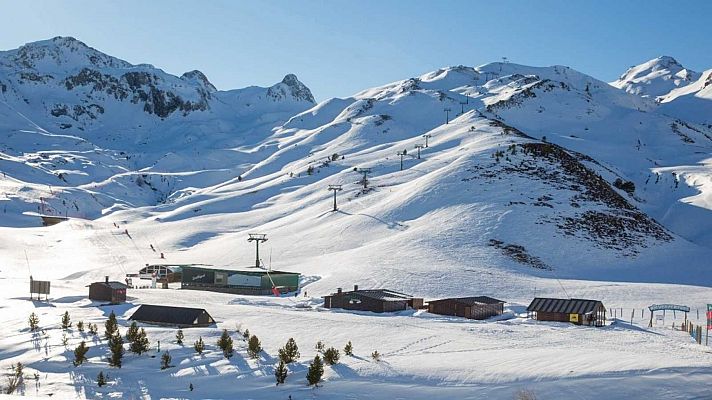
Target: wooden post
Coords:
[[650, 325]]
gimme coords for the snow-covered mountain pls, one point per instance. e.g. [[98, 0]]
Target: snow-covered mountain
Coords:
[[681, 92]]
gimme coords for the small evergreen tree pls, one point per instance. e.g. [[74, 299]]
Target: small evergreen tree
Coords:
[[34, 321], [116, 345], [254, 347], [80, 326], [111, 326], [376, 355], [281, 372], [290, 352], [225, 344], [315, 371], [180, 337], [319, 346], [246, 334], [66, 321], [331, 356], [64, 339], [93, 329], [101, 379], [132, 332], [199, 346], [349, 349], [140, 344], [165, 360], [80, 353]]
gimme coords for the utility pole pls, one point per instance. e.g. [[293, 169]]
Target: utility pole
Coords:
[[447, 115], [257, 238], [335, 188], [427, 136], [401, 154], [418, 146], [365, 172]]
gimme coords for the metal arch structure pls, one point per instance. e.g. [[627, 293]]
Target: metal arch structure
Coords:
[[669, 307]]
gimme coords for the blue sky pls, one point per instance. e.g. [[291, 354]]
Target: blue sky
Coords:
[[340, 47]]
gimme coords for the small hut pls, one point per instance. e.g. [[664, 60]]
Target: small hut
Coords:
[[480, 307], [180, 317], [113, 292], [576, 311], [375, 300]]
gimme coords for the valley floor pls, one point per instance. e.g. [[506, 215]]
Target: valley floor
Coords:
[[423, 356]]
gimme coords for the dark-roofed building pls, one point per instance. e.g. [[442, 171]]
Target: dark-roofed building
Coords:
[[111, 291], [480, 307], [577, 311], [180, 317], [375, 300]]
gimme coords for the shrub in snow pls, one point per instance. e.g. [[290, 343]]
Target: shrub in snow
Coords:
[[165, 360], [34, 322], [319, 346], [80, 326], [93, 329], [290, 352], [246, 335], [101, 379], [66, 321], [349, 349], [315, 372], [199, 345], [331, 356], [80, 354], [281, 372], [180, 337], [376, 355], [254, 347]]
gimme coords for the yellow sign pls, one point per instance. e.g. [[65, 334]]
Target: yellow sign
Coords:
[[573, 318]]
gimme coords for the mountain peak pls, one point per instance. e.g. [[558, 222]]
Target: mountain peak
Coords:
[[291, 86], [199, 78], [655, 78], [61, 51]]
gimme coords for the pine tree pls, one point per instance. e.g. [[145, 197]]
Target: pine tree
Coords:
[[111, 326], [140, 344], [64, 339], [376, 355], [116, 345], [331, 356], [80, 353], [281, 372], [132, 332], [246, 335], [100, 379], [165, 360], [290, 352], [80, 326], [349, 349], [315, 372], [34, 321], [319, 346], [66, 321], [254, 347], [93, 329], [225, 344], [180, 337], [199, 346]]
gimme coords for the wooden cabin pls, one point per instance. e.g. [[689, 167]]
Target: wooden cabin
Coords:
[[576, 311], [113, 292], [375, 300], [179, 317], [480, 307]]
